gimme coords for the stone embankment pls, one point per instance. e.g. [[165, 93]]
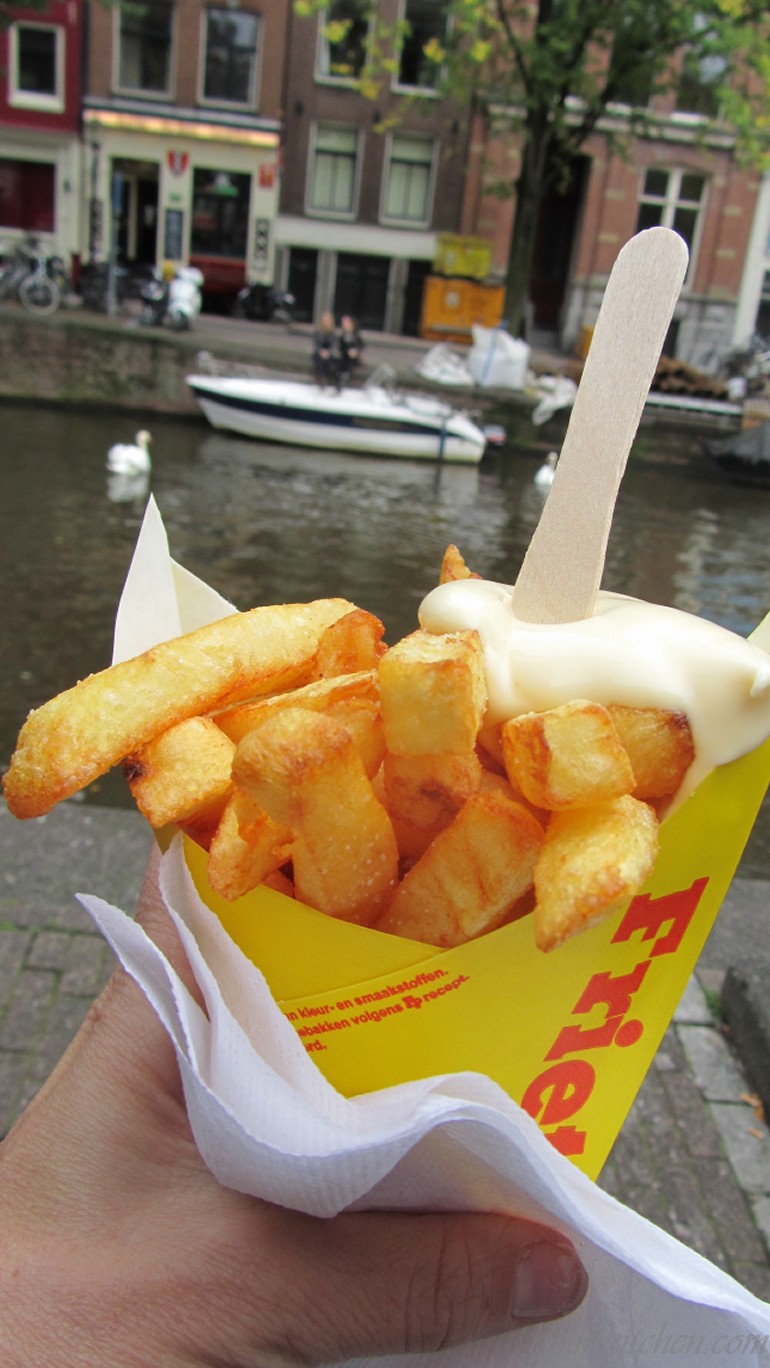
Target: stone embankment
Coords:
[[85, 359]]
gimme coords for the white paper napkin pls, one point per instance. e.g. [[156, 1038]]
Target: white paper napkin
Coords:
[[268, 1123]]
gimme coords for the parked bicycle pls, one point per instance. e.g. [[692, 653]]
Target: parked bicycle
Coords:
[[123, 292], [37, 281]]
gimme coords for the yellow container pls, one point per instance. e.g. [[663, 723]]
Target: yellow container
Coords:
[[570, 1035], [450, 307], [458, 254]]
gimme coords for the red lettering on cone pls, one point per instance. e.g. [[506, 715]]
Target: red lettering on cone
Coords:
[[648, 915], [569, 1084], [563, 1089], [567, 1140]]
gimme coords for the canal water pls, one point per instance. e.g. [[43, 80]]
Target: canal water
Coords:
[[268, 524]]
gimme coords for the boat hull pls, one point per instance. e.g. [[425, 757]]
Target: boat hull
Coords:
[[366, 421]]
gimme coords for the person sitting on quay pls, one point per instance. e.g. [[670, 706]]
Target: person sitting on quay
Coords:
[[350, 348], [324, 363]]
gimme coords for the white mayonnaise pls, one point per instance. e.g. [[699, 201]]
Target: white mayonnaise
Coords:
[[628, 652]]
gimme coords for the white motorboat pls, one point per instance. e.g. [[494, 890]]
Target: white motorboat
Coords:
[[375, 419]]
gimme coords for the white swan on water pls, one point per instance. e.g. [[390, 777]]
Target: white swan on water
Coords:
[[130, 457], [544, 476]]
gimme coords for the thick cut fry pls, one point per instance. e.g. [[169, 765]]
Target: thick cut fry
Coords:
[[470, 878], [566, 757], [592, 861], [453, 567], [183, 775], [318, 696], [489, 745], [304, 770], [352, 699], [350, 644], [361, 718], [83, 732], [433, 693], [659, 745], [247, 847], [424, 793]]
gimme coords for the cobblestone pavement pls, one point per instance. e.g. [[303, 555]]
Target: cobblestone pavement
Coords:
[[693, 1155]]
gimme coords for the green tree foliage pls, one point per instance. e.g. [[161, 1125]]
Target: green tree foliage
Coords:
[[549, 73]]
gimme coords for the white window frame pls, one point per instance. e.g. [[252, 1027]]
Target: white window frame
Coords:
[[141, 92], [329, 77], [426, 91], [19, 98], [672, 200], [256, 74], [394, 219], [340, 215]]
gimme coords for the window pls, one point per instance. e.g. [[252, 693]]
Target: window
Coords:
[[220, 215], [343, 34], [409, 178], [27, 195], [36, 62], [333, 171], [230, 60], [423, 42], [699, 82], [144, 61], [671, 199]]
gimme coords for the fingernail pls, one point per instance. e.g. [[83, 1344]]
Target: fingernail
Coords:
[[550, 1280]]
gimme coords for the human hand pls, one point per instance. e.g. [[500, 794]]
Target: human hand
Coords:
[[121, 1250]]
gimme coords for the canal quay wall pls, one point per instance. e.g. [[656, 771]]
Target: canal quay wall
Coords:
[[90, 360], [85, 359]]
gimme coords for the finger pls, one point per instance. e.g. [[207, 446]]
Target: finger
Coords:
[[400, 1283]]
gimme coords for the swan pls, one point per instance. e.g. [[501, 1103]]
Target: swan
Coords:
[[544, 476], [130, 457]]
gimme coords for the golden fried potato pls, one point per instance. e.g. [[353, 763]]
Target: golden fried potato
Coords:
[[83, 732], [592, 861], [489, 746], [319, 695], [303, 768], [453, 567], [423, 794], [659, 745], [184, 775], [247, 847], [351, 699], [433, 693], [471, 877], [566, 757], [361, 718], [350, 644]]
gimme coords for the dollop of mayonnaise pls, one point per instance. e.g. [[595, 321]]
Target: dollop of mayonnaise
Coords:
[[628, 652]]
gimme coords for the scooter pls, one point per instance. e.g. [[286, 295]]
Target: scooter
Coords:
[[264, 304], [176, 302]]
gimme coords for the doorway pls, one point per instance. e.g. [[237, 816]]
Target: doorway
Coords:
[[554, 242], [135, 211], [362, 289]]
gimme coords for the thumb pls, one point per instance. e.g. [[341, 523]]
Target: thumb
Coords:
[[393, 1283]]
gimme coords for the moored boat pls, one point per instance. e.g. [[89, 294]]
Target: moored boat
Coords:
[[745, 455], [376, 419]]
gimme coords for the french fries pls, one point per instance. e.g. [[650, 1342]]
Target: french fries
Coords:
[[304, 770], [368, 782], [472, 875], [184, 775], [592, 861], [433, 693], [82, 733], [566, 757]]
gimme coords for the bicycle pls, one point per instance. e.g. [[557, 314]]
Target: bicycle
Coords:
[[33, 279]]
